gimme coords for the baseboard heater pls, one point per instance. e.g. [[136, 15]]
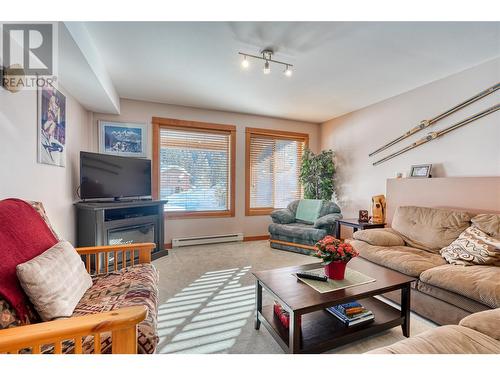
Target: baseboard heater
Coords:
[[203, 240]]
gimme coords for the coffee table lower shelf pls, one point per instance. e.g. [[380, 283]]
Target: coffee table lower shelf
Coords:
[[320, 331]]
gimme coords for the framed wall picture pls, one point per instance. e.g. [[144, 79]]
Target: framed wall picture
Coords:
[[51, 124], [123, 138], [421, 171]]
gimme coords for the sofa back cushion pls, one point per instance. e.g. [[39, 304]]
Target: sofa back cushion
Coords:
[[488, 223], [429, 229], [55, 281], [23, 236], [308, 210]]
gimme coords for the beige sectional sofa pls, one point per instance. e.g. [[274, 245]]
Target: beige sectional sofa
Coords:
[[444, 293], [478, 333]]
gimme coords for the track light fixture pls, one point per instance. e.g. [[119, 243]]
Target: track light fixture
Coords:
[[267, 56]]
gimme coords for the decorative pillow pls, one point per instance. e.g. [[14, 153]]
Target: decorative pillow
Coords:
[[55, 281], [379, 237], [308, 210], [488, 223], [473, 247]]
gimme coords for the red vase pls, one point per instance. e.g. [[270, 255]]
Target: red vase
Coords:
[[335, 270]]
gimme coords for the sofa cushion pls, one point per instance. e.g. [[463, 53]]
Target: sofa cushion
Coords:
[[487, 322], [480, 283], [429, 229], [329, 207], [132, 286], [308, 210], [327, 221], [55, 281], [488, 223], [454, 299], [283, 216], [473, 246], [444, 340], [379, 237], [296, 232], [23, 236], [407, 260]]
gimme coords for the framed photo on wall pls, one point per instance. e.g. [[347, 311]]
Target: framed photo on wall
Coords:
[[51, 124], [421, 171], [123, 138]]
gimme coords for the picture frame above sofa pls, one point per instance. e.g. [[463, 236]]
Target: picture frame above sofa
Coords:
[[421, 171]]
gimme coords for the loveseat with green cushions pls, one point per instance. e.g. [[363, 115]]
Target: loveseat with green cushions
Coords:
[[303, 223]]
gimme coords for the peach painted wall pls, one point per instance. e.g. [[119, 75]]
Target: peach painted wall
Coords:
[[142, 112], [20, 174], [473, 150]]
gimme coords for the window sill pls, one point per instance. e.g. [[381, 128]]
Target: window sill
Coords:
[[259, 211], [197, 215]]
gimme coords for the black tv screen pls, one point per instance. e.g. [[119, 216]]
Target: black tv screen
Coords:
[[109, 176]]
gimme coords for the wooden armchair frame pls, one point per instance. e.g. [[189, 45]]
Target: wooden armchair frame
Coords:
[[122, 323]]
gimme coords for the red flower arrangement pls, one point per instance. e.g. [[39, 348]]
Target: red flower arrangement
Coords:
[[331, 250]]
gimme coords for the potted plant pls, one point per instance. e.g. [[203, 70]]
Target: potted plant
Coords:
[[335, 255], [316, 174]]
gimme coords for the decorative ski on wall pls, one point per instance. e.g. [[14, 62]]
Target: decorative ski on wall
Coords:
[[426, 123], [434, 135]]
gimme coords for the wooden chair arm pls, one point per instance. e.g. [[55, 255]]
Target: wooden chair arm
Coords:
[[122, 323], [93, 255], [146, 246]]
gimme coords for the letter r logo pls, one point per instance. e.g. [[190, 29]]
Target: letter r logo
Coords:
[[29, 46]]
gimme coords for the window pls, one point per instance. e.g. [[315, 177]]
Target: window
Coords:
[[194, 167], [272, 169]]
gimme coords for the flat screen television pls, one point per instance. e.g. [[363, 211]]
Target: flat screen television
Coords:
[[110, 176]]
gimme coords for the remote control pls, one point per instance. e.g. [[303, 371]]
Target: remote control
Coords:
[[312, 276]]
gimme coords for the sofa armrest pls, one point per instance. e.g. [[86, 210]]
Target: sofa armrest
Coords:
[[486, 322], [283, 216], [122, 324], [100, 254], [379, 237], [327, 220]]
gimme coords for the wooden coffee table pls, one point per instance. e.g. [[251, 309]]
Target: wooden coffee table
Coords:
[[319, 330]]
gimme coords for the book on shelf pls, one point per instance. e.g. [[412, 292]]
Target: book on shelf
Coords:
[[351, 314]]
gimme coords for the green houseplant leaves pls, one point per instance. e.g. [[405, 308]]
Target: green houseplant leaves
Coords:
[[316, 174]]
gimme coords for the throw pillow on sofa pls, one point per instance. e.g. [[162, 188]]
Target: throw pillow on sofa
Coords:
[[55, 281], [473, 247]]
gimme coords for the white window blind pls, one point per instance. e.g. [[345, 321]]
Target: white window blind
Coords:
[[195, 169], [274, 171]]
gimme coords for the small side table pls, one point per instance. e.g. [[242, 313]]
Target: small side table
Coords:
[[355, 224]]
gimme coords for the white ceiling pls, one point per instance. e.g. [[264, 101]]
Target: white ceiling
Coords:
[[339, 66]]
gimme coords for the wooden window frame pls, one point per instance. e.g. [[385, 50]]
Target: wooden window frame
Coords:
[[275, 134], [168, 123]]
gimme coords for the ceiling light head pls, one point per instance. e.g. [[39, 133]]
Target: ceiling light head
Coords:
[[267, 54], [244, 63], [288, 71], [267, 68]]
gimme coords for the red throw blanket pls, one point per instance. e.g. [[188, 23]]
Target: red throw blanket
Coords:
[[23, 236]]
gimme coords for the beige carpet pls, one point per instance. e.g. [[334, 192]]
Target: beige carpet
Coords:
[[207, 301]]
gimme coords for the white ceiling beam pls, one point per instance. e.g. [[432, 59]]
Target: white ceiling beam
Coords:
[[82, 71]]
